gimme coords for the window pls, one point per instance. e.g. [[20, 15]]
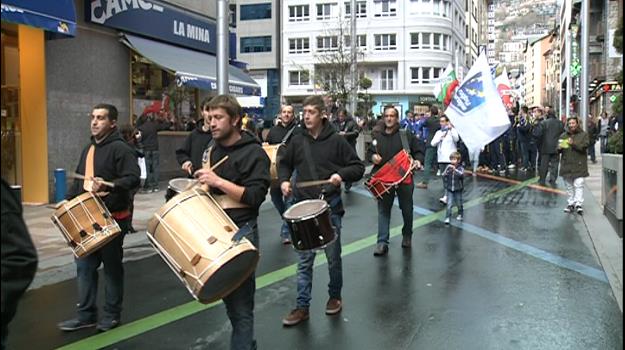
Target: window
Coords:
[[386, 79], [414, 75], [362, 41], [425, 75], [385, 41], [299, 13], [361, 9], [437, 73], [299, 77], [414, 40], [385, 8], [438, 9], [446, 39], [324, 11], [256, 44], [426, 42], [437, 41], [327, 43], [255, 11], [299, 45]]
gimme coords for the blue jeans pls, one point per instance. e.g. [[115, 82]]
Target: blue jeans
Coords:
[[430, 160], [111, 256], [385, 204], [305, 269], [151, 165], [281, 204], [591, 150], [240, 307], [454, 198]]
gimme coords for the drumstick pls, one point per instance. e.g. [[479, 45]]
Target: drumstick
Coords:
[[204, 186], [82, 177], [312, 183]]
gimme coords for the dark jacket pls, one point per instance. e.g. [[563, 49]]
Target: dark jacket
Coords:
[[149, 128], [432, 125], [278, 132], [573, 160], [247, 166], [330, 154], [453, 179], [524, 129], [388, 145], [549, 131], [349, 127], [19, 257], [193, 147], [115, 161]]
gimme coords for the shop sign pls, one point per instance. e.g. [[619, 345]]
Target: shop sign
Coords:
[[156, 20], [426, 100]]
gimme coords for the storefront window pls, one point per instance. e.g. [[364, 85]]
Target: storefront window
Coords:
[[155, 93], [10, 112]]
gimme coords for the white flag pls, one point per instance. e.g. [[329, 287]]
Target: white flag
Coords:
[[476, 109]]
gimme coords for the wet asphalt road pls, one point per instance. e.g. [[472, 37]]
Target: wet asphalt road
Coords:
[[516, 274]]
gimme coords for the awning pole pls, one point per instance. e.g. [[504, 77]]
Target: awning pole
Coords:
[[222, 47]]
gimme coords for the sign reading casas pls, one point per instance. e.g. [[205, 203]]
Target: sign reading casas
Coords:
[[156, 20]]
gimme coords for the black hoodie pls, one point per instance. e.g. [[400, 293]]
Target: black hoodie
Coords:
[[194, 146], [278, 132], [248, 166], [388, 145], [330, 154], [115, 161]]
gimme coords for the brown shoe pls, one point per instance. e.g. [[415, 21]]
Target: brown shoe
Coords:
[[406, 242], [334, 306], [295, 317], [421, 185]]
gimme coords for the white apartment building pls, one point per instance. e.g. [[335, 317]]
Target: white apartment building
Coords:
[[257, 25], [404, 46], [476, 27]]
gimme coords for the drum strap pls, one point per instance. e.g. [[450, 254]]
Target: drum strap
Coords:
[[404, 140], [87, 184], [286, 137]]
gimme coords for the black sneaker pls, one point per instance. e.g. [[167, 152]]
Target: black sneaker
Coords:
[[569, 209], [107, 324], [579, 209], [380, 250], [74, 325]]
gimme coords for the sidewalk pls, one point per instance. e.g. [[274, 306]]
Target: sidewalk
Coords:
[[607, 244]]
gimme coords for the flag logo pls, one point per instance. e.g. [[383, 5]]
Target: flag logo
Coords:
[[469, 95]]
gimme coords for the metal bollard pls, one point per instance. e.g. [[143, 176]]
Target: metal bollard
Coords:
[[60, 185]]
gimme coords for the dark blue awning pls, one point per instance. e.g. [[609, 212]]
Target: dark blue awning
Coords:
[[192, 68], [57, 16]]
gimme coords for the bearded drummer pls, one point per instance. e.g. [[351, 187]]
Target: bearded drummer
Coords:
[[319, 153], [281, 133], [108, 158], [387, 142], [239, 186]]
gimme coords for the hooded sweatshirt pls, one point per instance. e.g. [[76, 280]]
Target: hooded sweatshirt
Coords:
[[279, 131], [248, 166], [330, 154], [194, 146], [114, 161]]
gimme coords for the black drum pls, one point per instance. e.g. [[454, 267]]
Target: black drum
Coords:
[[310, 224], [177, 186]]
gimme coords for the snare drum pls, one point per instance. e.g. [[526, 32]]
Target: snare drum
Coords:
[[310, 224], [177, 186], [272, 153], [193, 235], [86, 224]]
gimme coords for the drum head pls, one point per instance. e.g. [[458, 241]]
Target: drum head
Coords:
[[228, 277], [181, 184], [305, 208]]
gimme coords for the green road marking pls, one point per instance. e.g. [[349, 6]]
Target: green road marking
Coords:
[[146, 324]]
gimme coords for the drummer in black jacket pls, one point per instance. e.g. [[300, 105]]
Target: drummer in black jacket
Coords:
[[240, 186], [387, 143], [346, 127], [316, 154], [113, 161], [282, 132], [189, 155]]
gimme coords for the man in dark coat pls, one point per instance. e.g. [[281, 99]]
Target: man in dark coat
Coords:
[[573, 145], [431, 126], [189, 155], [346, 127], [19, 257], [549, 131]]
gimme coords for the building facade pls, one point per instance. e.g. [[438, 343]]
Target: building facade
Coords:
[[535, 72], [404, 46]]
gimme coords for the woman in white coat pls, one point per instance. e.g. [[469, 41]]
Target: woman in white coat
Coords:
[[445, 140]]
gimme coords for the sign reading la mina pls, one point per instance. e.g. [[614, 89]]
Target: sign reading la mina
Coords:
[[157, 20]]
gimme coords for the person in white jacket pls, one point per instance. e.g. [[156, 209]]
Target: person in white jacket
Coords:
[[445, 140]]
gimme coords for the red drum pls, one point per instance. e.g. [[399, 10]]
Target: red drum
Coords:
[[396, 171]]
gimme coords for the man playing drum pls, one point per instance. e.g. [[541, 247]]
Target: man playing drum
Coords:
[[281, 133], [243, 180], [319, 153], [388, 143], [107, 158], [189, 155]]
